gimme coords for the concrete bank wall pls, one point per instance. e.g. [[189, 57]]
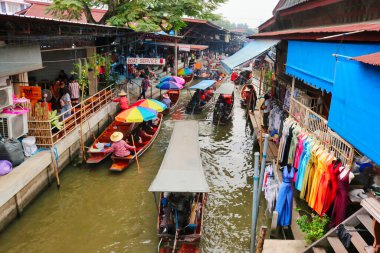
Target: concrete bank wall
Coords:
[[26, 181]]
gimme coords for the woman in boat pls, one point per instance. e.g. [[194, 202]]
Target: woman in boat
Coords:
[[122, 100], [166, 100], [119, 147]]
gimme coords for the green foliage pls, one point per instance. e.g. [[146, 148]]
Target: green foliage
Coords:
[[313, 225], [147, 15], [231, 25], [81, 71]]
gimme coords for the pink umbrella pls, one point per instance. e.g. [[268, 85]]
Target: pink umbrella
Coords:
[[176, 79]]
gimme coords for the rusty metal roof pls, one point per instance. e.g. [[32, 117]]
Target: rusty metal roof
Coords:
[[372, 59], [290, 3], [373, 26]]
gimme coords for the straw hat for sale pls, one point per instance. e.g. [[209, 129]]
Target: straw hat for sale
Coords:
[[116, 136], [122, 93], [165, 95]]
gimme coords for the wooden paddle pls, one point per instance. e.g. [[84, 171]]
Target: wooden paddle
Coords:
[[137, 159]]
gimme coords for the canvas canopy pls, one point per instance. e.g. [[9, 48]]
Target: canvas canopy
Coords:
[[202, 85], [226, 88], [181, 170], [247, 53]]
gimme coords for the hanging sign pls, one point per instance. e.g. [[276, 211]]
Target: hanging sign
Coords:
[[185, 48], [146, 61]]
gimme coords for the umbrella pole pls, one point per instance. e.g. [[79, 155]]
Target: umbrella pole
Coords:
[[137, 159]]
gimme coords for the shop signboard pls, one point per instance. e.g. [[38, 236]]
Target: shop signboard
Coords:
[[34, 93], [146, 61], [184, 47]]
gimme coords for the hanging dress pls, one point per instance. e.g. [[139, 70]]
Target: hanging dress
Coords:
[[284, 203], [332, 185], [322, 187], [341, 201], [304, 159], [287, 147]]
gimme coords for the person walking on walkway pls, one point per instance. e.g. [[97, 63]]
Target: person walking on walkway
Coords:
[[266, 110], [145, 84]]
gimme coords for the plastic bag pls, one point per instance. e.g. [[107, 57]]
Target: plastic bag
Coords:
[[5, 167], [11, 150]]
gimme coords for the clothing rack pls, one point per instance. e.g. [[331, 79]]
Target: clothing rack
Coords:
[[317, 126]]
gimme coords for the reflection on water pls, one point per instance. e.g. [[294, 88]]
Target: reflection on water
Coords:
[[99, 211]]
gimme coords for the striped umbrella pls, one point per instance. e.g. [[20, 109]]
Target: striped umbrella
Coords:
[[176, 79], [151, 104], [169, 85], [136, 114]]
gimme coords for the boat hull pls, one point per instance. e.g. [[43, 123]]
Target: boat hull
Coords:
[[121, 163], [245, 94], [174, 97], [225, 116]]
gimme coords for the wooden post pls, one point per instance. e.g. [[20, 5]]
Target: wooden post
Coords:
[[260, 242], [260, 81], [292, 96], [82, 115], [55, 167], [137, 159]]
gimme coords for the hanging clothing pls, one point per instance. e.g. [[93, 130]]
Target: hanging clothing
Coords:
[[332, 185], [288, 142], [341, 200], [304, 160], [322, 187], [284, 203]]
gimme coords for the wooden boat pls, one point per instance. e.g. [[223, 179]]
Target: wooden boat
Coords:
[[245, 94], [95, 152], [182, 188], [188, 79], [121, 163], [224, 105], [174, 97], [202, 89], [182, 248]]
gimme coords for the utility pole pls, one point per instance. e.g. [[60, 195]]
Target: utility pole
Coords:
[[255, 207], [175, 55]]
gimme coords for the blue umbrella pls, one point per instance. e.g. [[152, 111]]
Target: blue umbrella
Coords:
[[169, 85]]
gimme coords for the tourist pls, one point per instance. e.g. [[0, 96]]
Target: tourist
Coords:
[[166, 100], [74, 91], [119, 147], [234, 75], [145, 84], [143, 134], [265, 107], [122, 100], [62, 75], [65, 102]]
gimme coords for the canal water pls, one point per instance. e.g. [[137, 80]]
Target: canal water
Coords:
[[99, 211]]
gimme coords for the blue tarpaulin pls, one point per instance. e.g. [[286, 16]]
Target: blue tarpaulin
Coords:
[[202, 85], [355, 106], [250, 51], [314, 63]]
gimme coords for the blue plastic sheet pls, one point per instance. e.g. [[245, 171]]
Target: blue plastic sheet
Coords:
[[314, 63], [248, 52], [355, 106], [202, 85]]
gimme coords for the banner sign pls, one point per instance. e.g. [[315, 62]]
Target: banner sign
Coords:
[[146, 61], [31, 92], [185, 48]]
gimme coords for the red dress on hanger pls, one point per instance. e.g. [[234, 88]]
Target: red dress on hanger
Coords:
[[341, 201]]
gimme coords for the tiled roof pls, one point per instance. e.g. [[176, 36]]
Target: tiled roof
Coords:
[[372, 59]]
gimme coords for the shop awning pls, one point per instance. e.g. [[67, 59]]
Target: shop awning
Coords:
[[247, 53], [19, 59], [314, 63], [225, 88], [181, 170], [193, 47], [202, 85], [371, 59], [354, 111]]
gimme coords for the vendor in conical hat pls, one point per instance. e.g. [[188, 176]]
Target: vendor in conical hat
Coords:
[[122, 100], [166, 100], [119, 147]]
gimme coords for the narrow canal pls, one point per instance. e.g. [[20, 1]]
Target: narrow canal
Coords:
[[99, 211]]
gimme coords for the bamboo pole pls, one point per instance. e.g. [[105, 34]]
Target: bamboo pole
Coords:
[[260, 243], [55, 167], [81, 115]]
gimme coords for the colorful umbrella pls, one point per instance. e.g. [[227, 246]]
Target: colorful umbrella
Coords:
[[176, 79], [169, 85], [185, 72], [136, 114], [151, 104]]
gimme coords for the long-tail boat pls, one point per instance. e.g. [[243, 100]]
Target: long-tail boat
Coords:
[[246, 93], [224, 105], [182, 187], [121, 163], [203, 90]]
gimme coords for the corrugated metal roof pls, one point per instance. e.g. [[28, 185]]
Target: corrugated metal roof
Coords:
[[291, 3], [372, 59], [373, 26]]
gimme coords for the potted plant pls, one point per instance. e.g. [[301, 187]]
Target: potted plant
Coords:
[[313, 225]]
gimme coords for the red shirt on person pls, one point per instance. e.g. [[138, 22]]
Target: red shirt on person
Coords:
[[234, 76], [123, 101]]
